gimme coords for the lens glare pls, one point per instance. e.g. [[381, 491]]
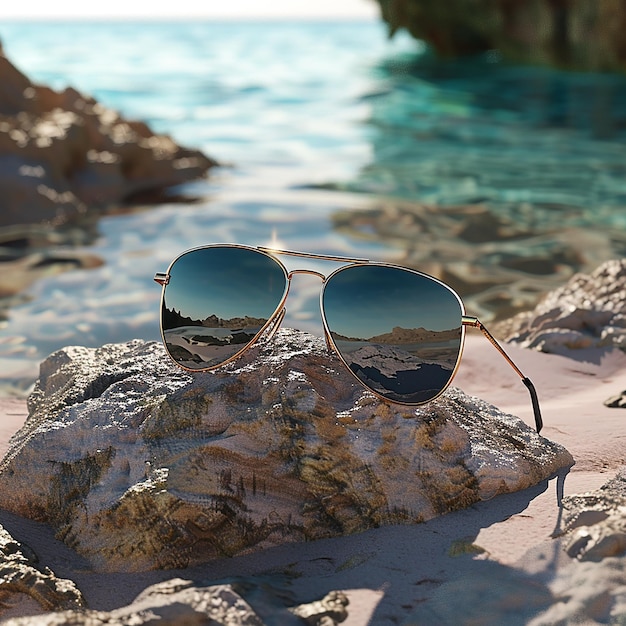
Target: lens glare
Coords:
[[398, 331], [216, 302]]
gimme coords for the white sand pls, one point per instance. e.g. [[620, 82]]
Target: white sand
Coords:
[[387, 572], [571, 394]]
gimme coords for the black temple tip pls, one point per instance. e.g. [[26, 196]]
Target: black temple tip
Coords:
[[535, 402]]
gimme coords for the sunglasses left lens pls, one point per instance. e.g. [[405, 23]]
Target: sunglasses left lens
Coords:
[[217, 301]]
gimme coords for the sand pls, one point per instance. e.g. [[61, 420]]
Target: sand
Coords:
[[387, 572]]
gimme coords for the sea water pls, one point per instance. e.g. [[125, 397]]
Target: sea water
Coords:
[[314, 120]]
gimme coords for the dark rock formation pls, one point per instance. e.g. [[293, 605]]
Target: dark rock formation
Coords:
[[577, 34], [139, 465], [618, 401], [65, 158]]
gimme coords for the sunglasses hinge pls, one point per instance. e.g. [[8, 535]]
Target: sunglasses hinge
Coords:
[[162, 278], [468, 320]]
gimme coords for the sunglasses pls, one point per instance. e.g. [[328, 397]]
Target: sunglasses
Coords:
[[398, 331]]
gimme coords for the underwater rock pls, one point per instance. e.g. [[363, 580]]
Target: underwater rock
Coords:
[[139, 465], [578, 34], [20, 574], [63, 153], [486, 252], [589, 311], [175, 602]]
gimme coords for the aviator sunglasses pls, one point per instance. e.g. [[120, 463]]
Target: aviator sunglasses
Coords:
[[400, 332]]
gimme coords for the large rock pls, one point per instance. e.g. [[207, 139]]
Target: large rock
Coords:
[[588, 312], [62, 153], [581, 34], [140, 465]]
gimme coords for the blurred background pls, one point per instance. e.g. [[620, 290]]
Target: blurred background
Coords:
[[482, 142]]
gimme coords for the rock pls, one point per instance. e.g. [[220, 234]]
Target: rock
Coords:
[[63, 154], [617, 401], [178, 602], [330, 610], [545, 588], [138, 465], [595, 522], [588, 593], [486, 252], [29, 252], [19, 573], [577, 34], [21, 273], [588, 312]]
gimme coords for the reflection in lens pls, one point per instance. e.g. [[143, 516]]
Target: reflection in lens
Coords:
[[398, 331], [216, 302]]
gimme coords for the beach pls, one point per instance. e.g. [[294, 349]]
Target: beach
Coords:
[[380, 570], [488, 176], [503, 181]]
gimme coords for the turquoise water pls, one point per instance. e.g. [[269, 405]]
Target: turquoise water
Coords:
[[503, 181]]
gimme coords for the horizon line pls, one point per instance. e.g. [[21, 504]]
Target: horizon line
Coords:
[[202, 17]]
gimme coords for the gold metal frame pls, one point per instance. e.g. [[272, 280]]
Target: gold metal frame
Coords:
[[274, 321]]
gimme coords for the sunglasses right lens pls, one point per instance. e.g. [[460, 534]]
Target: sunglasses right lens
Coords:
[[398, 331], [217, 301]]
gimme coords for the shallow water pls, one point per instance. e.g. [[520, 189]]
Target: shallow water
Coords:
[[503, 181]]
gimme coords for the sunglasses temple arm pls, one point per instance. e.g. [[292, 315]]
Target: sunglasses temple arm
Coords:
[[476, 323]]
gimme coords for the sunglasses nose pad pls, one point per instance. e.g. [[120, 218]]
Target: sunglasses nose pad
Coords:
[[274, 326]]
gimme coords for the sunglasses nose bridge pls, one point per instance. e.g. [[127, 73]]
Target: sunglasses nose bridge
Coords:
[[292, 273], [282, 310]]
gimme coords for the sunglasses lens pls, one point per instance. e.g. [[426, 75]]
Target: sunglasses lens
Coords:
[[216, 302], [398, 331]]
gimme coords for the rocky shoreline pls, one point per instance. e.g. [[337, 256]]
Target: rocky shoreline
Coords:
[[63, 154], [579, 35], [65, 159], [276, 488]]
